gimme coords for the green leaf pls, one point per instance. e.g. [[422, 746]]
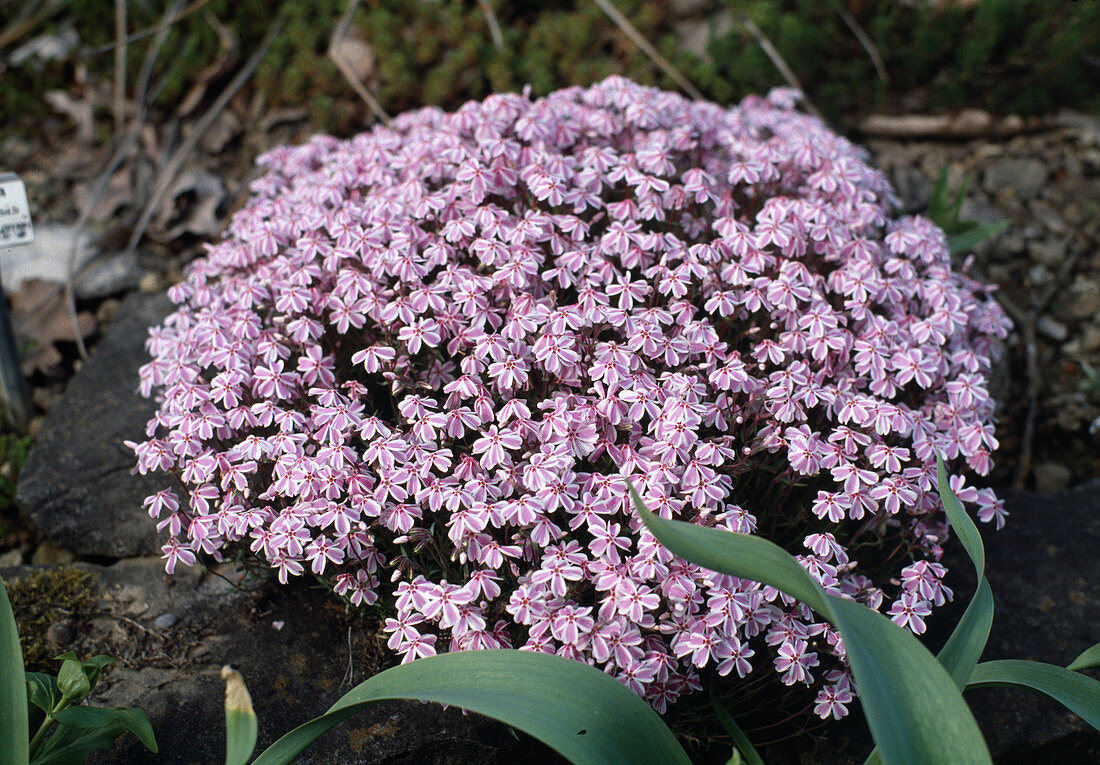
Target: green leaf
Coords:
[[968, 240], [939, 204], [241, 726], [739, 555], [963, 649], [42, 690], [745, 751], [93, 667], [133, 720], [915, 711], [69, 745], [1087, 660], [14, 736], [548, 697], [964, 528], [73, 681], [1076, 692]]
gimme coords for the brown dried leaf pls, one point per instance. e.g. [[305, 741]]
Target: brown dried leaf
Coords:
[[118, 194], [40, 316], [79, 112]]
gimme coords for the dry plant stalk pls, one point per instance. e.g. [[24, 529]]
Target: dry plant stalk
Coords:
[[345, 69], [623, 23]]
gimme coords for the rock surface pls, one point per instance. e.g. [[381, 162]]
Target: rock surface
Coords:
[[76, 485], [298, 653]]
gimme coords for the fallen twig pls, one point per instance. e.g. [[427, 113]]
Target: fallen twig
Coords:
[[119, 106], [172, 166], [494, 25], [969, 123], [345, 69], [647, 48], [864, 40], [121, 151], [165, 22], [1026, 322], [778, 62], [24, 25]]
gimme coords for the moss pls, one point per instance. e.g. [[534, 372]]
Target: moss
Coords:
[[42, 598], [1027, 56]]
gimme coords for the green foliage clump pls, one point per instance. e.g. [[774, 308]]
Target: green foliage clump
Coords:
[[1022, 56], [1008, 56], [42, 598]]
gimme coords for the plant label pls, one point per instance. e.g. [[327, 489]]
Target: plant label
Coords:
[[15, 212]]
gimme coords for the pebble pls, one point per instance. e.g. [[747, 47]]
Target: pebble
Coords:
[[165, 620], [11, 558], [1052, 328], [1021, 177], [1048, 252]]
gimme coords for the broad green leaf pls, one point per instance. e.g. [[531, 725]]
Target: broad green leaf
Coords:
[[73, 681], [42, 690], [241, 726], [92, 668], [968, 240], [745, 751], [69, 745], [1078, 693], [584, 714], [963, 527], [133, 720], [915, 711], [14, 737], [1087, 660]]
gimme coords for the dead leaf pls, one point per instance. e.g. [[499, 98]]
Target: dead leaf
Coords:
[[117, 194], [226, 127], [192, 206], [40, 317], [79, 112], [47, 47]]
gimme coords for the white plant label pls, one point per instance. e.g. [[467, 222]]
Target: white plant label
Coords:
[[15, 212]]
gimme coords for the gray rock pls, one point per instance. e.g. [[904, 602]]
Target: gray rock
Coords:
[[1020, 177], [1045, 576], [1051, 477], [293, 674], [1055, 330], [914, 189], [165, 620], [1049, 252], [76, 485]]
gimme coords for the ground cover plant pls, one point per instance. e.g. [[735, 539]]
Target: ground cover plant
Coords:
[[435, 353]]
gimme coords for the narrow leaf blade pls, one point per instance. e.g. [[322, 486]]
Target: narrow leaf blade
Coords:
[[968, 240], [963, 526], [960, 654], [745, 751], [1087, 660], [525, 690], [739, 555], [1076, 692], [915, 711], [14, 739], [241, 726]]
